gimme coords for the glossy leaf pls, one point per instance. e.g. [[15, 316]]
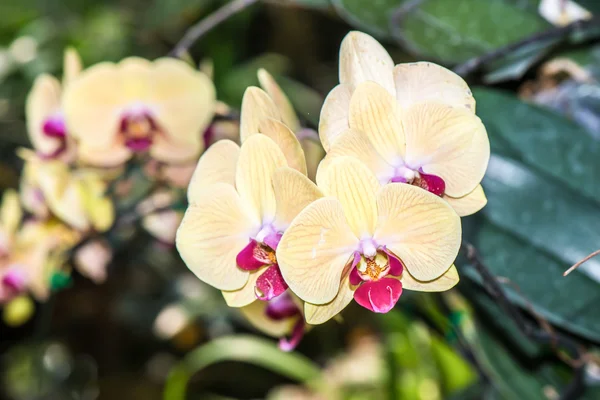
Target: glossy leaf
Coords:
[[451, 31], [542, 140], [569, 302]]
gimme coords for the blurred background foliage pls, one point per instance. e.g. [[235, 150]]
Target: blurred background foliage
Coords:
[[537, 92]]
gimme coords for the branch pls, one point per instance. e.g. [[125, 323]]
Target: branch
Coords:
[[474, 64], [577, 264], [207, 24], [544, 336]]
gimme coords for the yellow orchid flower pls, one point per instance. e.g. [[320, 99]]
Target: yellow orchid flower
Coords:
[[36, 250], [241, 200], [12, 277], [10, 218], [404, 121], [116, 110], [41, 250], [280, 317], [45, 116], [75, 197], [268, 110], [368, 242]]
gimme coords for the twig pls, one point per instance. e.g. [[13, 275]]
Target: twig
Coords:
[[474, 64], [577, 264], [205, 25]]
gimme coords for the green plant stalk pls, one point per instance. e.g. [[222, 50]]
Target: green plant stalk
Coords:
[[244, 348]]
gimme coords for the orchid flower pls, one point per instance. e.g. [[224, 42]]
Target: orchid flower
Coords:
[[75, 197], [241, 200], [411, 123], [12, 276], [45, 116], [281, 317], [160, 107], [29, 251], [266, 109], [368, 242], [41, 250]]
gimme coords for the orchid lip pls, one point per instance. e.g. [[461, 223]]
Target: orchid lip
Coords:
[[54, 126], [377, 289], [138, 127], [270, 284], [14, 279], [290, 344], [138, 145], [281, 307]]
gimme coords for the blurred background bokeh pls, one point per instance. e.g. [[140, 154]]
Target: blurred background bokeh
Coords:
[[540, 101]]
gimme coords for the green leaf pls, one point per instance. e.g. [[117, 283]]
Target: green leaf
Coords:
[[543, 213], [373, 16], [569, 302], [542, 140], [232, 86], [509, 379], [318, 4], [455, 31], [451, 31], [244, 348], [306, 101]]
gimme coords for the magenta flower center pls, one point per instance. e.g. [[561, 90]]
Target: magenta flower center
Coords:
[[138, 129], [14, 279], [54, 126], [432, 183], [377, 290], [259, 255]]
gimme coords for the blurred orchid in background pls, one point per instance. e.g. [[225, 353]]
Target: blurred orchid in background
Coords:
[[160, 107]]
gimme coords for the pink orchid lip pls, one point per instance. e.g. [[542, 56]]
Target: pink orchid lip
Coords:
[[253, 256], [281, 307], [290, 344], [54, 126], [270, 284], [14, 279], [432, 183], [209, 136], [138, 126], [138, 145], [379, 296]]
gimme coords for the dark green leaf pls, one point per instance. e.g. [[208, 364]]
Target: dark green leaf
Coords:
[[569, 302], [509, 379], [541, 212], [451, 31], [542, 140]]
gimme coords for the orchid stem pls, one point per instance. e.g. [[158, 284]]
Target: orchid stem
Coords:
[[209, 23]]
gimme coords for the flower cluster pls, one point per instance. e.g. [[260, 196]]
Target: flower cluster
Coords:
[[107, 141], [405, 156]]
